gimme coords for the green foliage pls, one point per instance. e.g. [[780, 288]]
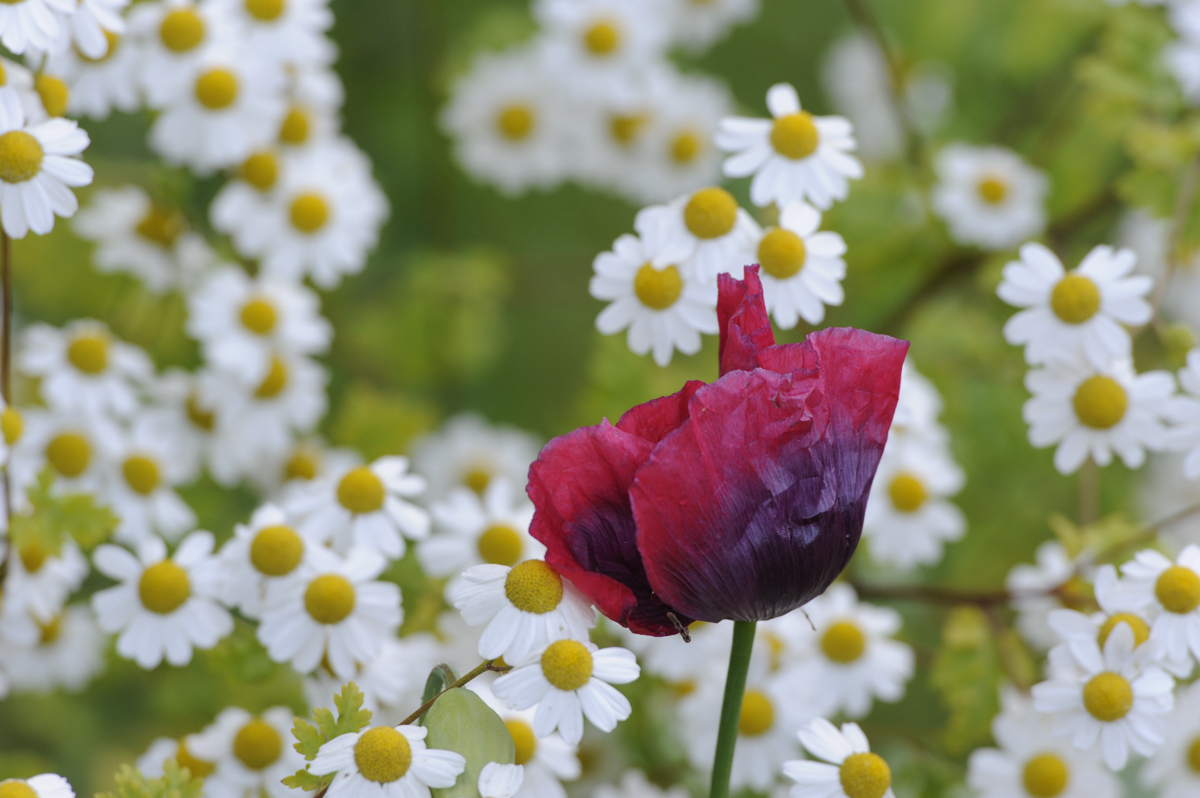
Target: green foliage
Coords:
[[351, 718], [966, 673], [56, 517], [460, 721], [176, 782]]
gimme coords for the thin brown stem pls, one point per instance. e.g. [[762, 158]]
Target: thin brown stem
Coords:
[[479, 670], [932, 595], [1089, 493]]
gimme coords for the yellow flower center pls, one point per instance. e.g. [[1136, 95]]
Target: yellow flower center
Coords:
[[602, 38], [69, 453], [865, 776], [382, 754], [302, 465], [20, 156], [992, 190], [181, 30], [142, 474], [843, 642], [907, 493], [200, 418], [1075, 299], [258, 316], [33, 556], [329, 598], [114, 41], [624, 128], [309, 212], [257, 744], [477, 479], [275, 381], [295, 127], [54, 94], [217, 89], [11, 425], [265, 10], [15, 788], [1141, 632], [50, 632], [567, 664], [758, 714], [276, 550], [199, 768], [1193, 755], [261, 170], [710, 213], [1045, 776], [782, 253], [534, 587], [1178, 590], [88, 353], [686, 146], [1108, 696], [161, 226], [795, 135], [500, 545], [360, 491], [164, 587], [1100, 402], [657, 289], [523, 740], [515, 122]]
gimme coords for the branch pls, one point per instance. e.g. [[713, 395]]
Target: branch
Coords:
[[479, 670]]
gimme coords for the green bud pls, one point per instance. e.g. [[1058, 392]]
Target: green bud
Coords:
[[460, 721]]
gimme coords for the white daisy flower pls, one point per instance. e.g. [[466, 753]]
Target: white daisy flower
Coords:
[[1033, 590], [801, 267], [39, 165], [140, 489], [47, 785], [164, 606], [917, 409], [1169, 591], [1031, 762], [1069, 315], [289, 31], [333, 609], [149, 240], [39, 582], [500, 781], [988, 196], [1094, 412], [187, 422], [261, 553], [704, 233], [76, 447], [470, 452], [634, 784], [525, 608], [1174, 771], [909, 516], [1116, 698], [174, 35], [392, 682], [794, 157], [241, 322], [510, 123], [68, 654], [852, 770], [850, 659], [697, 26], [99, 86], [665, 307], [248, 190], [251, 754], [91, 27], [386, 762], [566, 681], [150, 764], [548, 761], [33, 24], [493, 528], [310, 458]]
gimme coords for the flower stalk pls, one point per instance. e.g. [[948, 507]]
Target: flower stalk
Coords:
[[731, 707]]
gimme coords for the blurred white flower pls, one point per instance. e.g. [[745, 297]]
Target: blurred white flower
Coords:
[[704, 234], [988, 196], [468, 451], [801, 267], [251, 754]]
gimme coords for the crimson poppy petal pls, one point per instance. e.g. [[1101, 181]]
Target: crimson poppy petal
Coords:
[[742, 315], [654, 419]]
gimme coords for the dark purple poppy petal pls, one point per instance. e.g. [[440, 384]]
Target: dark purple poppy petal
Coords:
[[742, 316]]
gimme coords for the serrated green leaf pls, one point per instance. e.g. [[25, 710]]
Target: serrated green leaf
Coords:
[[303, 780], [176, 782], [55, 518], [351, 716], [325, 722], [308, 739]]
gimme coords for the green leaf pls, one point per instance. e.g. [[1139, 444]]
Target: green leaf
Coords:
[[303, 780], [176, 782], [308, 739], [460, 721], [55, 518], [967, 673], [351, 716], [441, 677]]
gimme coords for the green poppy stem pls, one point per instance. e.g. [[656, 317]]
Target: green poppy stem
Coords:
[[731, 707]]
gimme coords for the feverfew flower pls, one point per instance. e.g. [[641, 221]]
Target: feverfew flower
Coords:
[[100, 86], [164, 606], [500, 781], [1031, 587], [93, 26], [1170, 592], [698, 25], [140, 488], [548, 761], [68, 654], [801, 267], [493, 528], [289, 31], [75, 447], [39, 582], [173, 36], [386, 762], [849, 769], [392, 682], [664, 307], [47, 785], [251, 754], [1094, 412], [566, 681], [795, 156], [704, 233], [150, 764], [1174, 771], [33, 24], [470, 452], [1077, 314], [988, 196], [261, 554]]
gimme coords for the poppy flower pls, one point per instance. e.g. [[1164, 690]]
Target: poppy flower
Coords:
[[742, 499]]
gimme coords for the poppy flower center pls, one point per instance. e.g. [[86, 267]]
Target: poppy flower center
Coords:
[[258, 316], [524, 740], [329, 598], [1178, 590], [69, 453], [567, 664], [500, 545], [534, 587], [685, 147], [200, 418], [477, 479], [217, 89], [50, 632], [782, 253], [142, 474], [161, 226], [276, 550], [164, 587], [657, 289], [275, 381], [624, 128], [11, 425], [15, 788], [992, 190], [309, 212], [1100, 402], [1141, 632], [33, 556], [515, 122], [795, 135], [261, 170], [1108, 697], [1075, 299], [301, 465], [602, 38], [907, 493], [1193, 755], [20, 156], [199, 768], [843, 642], [89, 354], [758, 714], [865, 776], [181, 30], [54, 94], [382, 755], [257, 744], [1045, 776], [265, 10], [295, 127], [360, 491], [710, 213]]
